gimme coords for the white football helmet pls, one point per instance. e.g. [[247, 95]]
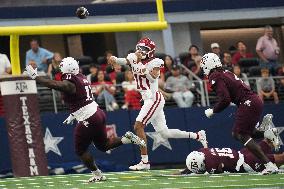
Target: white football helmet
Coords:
[[195, 162], [69, 65], [210, 61]]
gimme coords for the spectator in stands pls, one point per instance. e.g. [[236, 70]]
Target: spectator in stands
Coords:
[[281, 89], [242, 52], [266, 86], [195, 68], [166, 70], [232, 49], [280, 71], [108, 54], [105, 91], [215, 48], [117, 76], [131, 96], [268, 50], [193, 52], [53, 68], [239, 74], [41, 56], [93, 76], [227, 61], [180, 85], [5, 65]]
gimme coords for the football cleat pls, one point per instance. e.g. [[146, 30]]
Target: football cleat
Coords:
[[135, 139], [97, 177], [140, 166], [266, 123], [272, 134], [270, 168], [202, 138]]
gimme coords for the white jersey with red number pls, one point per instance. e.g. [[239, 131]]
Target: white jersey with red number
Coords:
[[146, 87]]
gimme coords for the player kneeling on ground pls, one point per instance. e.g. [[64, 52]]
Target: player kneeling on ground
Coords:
[[229, 88], [91, 126]]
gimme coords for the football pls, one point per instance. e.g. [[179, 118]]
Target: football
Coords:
[[82, 12]]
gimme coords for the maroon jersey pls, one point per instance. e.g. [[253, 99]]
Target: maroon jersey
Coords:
[[83, 95], [218, 160], [229, 88]]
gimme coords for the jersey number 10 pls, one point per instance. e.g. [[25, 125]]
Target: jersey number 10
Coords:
[[139, 80]]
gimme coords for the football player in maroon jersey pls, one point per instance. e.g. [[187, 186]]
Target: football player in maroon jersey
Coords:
[[220, 160], [91, 127], [229, 88]]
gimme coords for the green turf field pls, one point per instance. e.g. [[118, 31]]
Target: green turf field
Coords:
[[146, 180]]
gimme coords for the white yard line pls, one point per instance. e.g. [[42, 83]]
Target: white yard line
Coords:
[[112, 178], [144, 184], [127, 185], [216, 176]]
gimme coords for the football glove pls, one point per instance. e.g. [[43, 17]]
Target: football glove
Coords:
[[209, 112], [32, 73], [70, 119]]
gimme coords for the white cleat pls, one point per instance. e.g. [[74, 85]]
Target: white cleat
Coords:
[[202, 138], [134, 139], [266, 123], [97, 177], [270, 168], [272, 134], [140, 166]]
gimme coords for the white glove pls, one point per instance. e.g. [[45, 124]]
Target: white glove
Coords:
[[32, 73], [209, 112], [69, 119]]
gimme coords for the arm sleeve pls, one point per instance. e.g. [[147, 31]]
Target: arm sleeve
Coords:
[[222, 92]]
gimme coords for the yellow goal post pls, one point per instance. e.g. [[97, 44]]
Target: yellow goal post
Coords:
[[15, 31]]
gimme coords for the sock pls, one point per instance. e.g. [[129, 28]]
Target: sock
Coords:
[[193, 135], [144, 158], [125, 140], [176, 133]]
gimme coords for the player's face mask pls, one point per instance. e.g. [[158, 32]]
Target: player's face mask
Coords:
[[144, 50]]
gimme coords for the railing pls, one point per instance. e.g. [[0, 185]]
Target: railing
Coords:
[[51, 100], [200, 87]]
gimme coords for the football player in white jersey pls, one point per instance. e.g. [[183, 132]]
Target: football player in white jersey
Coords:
[[146, 71]]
